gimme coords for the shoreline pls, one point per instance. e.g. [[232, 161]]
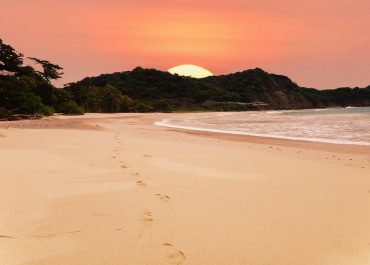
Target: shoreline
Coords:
[[164, 123], [179, 124], [114, 188], [90, 121], [298, 144], [270, 140], [263, 140]]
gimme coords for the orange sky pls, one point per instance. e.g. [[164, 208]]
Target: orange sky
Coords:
[[318, 43]]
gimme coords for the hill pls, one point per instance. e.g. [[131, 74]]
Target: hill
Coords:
[[26, 92], [145, 90]]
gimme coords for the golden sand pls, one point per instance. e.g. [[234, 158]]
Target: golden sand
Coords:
[[117, 190]]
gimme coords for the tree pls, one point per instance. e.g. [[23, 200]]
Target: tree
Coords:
[[127, 104], [10, 60], [26, 92], [111, 99], [17, 97], [50, 71], [70, 108]]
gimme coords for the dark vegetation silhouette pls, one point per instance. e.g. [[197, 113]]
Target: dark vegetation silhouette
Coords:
[[26, 92], [148, 90]]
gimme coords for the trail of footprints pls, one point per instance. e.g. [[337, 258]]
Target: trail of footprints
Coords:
[[163, 197], [173, 255], [327, 157], [141, 183], [147, 217], [5, 236]]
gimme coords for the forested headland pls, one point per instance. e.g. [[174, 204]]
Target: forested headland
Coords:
[[27, 92]]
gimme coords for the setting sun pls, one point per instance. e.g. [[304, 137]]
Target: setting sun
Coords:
[[190, 70]]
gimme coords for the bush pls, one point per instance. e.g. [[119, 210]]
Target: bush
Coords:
[[144, 107], [47, 111], [4, 113], [70, 108], [127, 104]]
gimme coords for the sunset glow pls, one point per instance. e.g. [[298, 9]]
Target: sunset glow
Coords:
[[190, 70], [319, 43]]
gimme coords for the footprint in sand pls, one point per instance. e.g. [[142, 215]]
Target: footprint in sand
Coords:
[[101, 214], [45, 236], [145, 155], [163, 197], [74, 232], [174, 256], [147, 222], [141, 183], [123, 165], [136, 174], [147, 217], [5, 236]]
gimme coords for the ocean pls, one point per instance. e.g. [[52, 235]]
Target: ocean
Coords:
[[336, 125]]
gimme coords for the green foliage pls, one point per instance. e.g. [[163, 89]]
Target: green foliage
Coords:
[[59, 96], [47, 111], [111, 99], [17, 96], [10, 60], [4, 113], [28, 92], [107, 99], [127, 104], [144, 107], [70, 108], [147, 90], [150, 90], [50, 71]]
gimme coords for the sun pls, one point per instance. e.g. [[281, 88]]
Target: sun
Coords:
[[190, 70]]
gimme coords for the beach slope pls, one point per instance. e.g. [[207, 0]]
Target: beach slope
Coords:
[[116, 189]]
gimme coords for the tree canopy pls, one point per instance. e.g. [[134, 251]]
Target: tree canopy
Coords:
[[10, 59], [27, 91], [50, 71], [255, 89]]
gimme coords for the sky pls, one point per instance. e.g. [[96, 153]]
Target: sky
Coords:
[[317, 43]]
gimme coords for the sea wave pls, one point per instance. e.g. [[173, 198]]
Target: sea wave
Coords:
[[166, 123], [327, 126]]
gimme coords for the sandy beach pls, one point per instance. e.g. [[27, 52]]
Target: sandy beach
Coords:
[[118, 190]]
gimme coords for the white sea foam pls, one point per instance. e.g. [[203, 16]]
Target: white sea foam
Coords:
[[339, 126]]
